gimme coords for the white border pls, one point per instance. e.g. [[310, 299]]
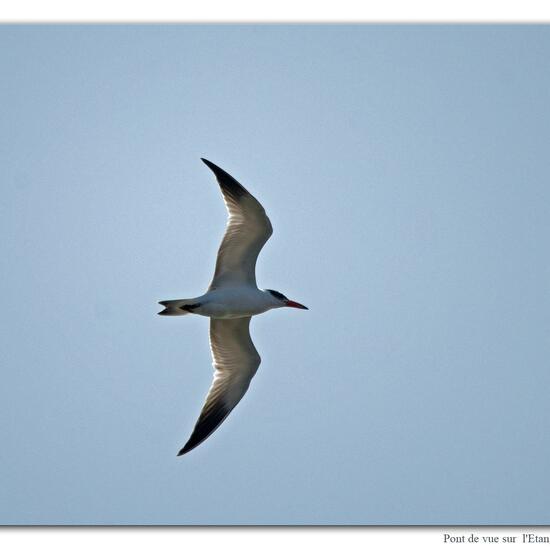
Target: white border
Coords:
[[379, 538], [320, 11]]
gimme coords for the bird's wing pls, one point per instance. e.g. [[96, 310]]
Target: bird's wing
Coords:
[[248, 229], [235, 363]]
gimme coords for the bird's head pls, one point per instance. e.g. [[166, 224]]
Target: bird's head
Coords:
[[280, 300]]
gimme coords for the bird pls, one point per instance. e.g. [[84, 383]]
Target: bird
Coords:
[[230, 301]]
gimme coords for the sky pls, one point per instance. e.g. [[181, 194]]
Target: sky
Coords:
[[405, 172]]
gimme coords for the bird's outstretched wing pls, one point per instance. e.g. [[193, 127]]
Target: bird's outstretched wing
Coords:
[[248, 229], [235, 363]]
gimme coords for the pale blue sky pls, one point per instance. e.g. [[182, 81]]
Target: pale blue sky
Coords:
[[405, 171]]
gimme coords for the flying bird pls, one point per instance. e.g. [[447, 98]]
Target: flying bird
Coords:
[[230, 301]]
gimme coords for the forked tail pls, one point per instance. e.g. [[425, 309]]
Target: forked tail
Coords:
[[176, 307]]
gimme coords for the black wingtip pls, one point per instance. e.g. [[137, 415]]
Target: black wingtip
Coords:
[[229, 185], [210, 165], [185, 449], [215, 168]]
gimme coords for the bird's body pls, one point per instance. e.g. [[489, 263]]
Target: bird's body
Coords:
[[230, 301], [227, 303]]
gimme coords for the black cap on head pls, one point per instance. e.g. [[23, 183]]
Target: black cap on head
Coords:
[[277, 294]]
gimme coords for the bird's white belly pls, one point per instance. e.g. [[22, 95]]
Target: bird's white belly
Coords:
[[233, 303]]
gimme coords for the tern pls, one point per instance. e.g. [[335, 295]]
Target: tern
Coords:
[[230, 301]]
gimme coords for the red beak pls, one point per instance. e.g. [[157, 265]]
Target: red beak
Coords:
[[290, 303]]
